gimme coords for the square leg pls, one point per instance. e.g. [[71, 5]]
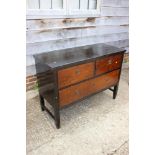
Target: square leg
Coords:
[[42, 103], [115, 91], [57, 117]]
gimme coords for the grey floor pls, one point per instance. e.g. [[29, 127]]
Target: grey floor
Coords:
[[95, 126]]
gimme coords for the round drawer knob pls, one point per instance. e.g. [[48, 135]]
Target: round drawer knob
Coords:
[[116, 62]]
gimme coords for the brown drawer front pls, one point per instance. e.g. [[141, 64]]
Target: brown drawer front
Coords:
[[75, 74], [79, 91], [108, 63]]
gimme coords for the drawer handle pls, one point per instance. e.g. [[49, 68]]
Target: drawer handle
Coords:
[[77, 72], [116, 62], [109, 62]]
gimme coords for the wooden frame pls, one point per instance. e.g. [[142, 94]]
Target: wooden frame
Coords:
[[47, 75], [66, 12]]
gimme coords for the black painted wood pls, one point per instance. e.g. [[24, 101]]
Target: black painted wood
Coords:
[[62, 58], [48, 64], [115, 91], [42, 103]]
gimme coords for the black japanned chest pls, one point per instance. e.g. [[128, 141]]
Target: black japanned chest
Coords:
[[71, 75]]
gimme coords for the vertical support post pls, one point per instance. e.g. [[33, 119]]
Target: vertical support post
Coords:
[[116, 86], [115, 91], [57, 116], [42, 103], [56, 101]]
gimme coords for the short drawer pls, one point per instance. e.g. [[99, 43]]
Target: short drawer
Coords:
[[75, 74], [79, 91], [108, 63]]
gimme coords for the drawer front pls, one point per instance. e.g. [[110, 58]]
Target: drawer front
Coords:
[[75, 74], [79, 91], [108, 63]]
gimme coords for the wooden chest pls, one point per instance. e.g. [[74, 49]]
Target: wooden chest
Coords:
[[70, 75]]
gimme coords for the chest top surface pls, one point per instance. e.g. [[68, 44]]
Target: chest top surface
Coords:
[[59, 58]]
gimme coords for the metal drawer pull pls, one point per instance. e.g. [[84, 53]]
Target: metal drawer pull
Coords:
[[109, 62], [77, 72], [116, 62]]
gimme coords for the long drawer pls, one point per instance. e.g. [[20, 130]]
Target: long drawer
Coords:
[[108, 63], [75, 74], [79, 91]]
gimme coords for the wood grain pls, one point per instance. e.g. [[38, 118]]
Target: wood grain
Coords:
[[75, 74], [41, 47], [108, 64], [44, 24], [79, 91], [76, 32]]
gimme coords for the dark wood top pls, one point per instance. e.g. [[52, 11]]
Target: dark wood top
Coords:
[[61, 58]]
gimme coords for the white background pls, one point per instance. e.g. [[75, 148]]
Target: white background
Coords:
[[13, 77]]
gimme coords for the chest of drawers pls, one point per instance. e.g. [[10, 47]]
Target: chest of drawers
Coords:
[[71, 75]]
